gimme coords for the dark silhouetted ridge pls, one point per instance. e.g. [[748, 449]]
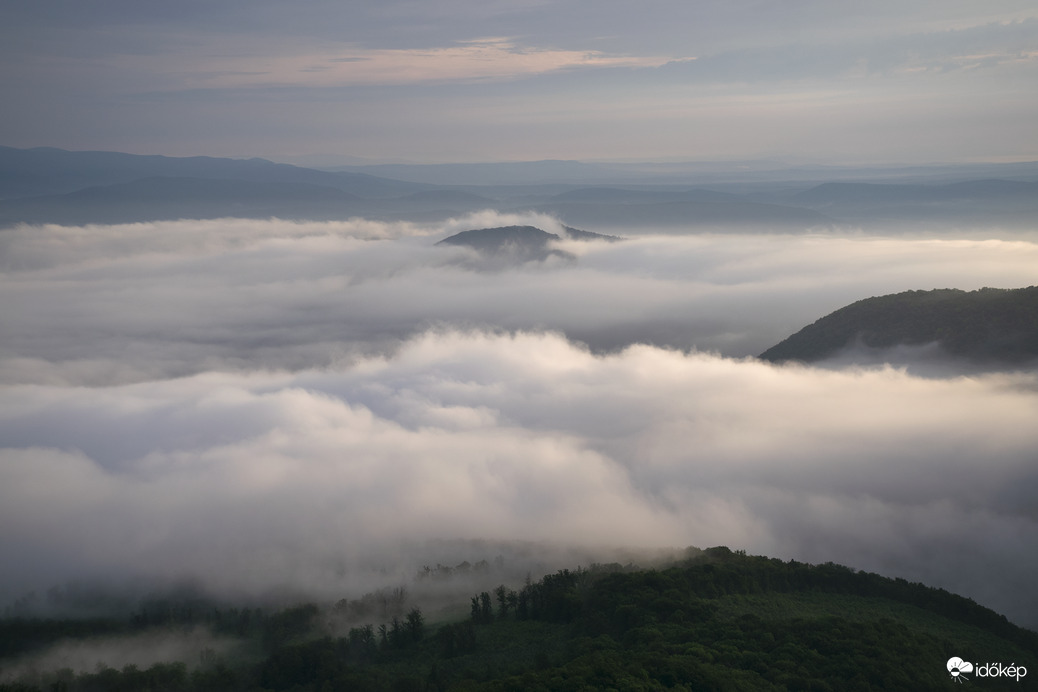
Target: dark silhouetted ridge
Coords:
[[521, 243], [501, 239], [989, 324]]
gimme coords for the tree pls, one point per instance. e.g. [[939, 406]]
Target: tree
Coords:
[[415, 624], [486, 610]]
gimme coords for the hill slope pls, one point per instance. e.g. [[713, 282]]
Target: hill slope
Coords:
[[719, 620], [988, 325]]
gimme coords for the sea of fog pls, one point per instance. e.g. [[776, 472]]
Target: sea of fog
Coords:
[[325, 407]]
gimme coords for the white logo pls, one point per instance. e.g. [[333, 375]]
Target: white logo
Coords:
[[956, 666]]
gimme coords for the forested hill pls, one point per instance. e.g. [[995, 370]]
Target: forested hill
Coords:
[[520, 243], [497, 239], [718, 620], [989, 325]]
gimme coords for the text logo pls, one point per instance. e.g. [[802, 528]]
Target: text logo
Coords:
[[958, 668]]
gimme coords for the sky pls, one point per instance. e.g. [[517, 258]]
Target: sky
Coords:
[[267, 405], [906, 81]]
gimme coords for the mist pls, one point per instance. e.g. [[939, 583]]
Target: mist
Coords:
[[112, 304], [263, 405], [142, 650]]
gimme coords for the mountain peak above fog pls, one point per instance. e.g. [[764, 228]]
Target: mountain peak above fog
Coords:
[[989, 325], [521, 243]]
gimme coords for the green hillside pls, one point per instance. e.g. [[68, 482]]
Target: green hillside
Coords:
[[989, 324], [719, 620]]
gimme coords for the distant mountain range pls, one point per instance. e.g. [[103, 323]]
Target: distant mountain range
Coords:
[[46, 185], [48, 171], [987, 325], [685, 173], [695, 208], [520, 243], [1002, 201]]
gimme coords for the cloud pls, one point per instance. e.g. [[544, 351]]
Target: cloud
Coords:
[[108, 304], [323, 64], [268, 404], [460, 81], [253, 481], [999, 44]]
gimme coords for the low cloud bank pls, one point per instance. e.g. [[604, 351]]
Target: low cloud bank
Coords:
[[114, 304], [325, 407], [250, 482]]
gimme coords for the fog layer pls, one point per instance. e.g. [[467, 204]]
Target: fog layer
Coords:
[[106, 304], [259, 405]]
